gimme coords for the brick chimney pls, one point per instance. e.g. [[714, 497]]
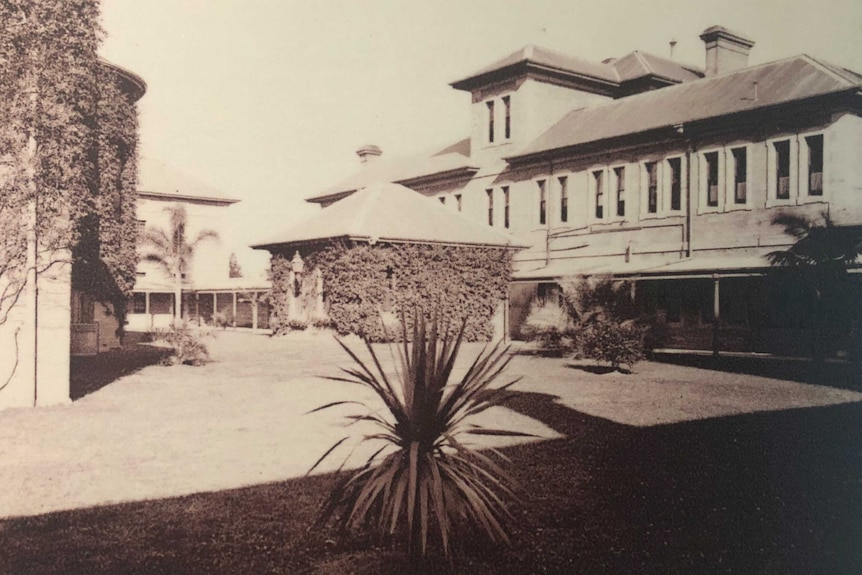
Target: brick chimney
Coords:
[[368, 153], [726, 51]]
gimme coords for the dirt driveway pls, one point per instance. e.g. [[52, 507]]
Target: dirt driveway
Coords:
[[166, 431]]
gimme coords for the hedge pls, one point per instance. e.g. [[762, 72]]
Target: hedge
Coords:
[[361, 283]]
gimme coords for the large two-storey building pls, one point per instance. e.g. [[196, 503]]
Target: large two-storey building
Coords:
[[663, 173]]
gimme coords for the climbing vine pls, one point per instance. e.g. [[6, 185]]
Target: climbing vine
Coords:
[[68, 146], [360, 282]]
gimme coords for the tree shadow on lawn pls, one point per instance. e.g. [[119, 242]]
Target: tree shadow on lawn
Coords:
[[834, 374], [771, 492], [91, 373]]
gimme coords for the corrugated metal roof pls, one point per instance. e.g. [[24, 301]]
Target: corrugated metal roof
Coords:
[[401, 170], [392, 213], [779, 82], [158, 179]]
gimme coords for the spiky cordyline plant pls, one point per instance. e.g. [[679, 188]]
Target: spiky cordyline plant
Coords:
[[424, 478]]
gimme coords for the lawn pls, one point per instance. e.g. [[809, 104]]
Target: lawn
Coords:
[[671, 470]]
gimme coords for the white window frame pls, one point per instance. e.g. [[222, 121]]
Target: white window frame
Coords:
[[730, 177], [503, 99], [612, 191], [490, 124], [644, 188], [772, 199], [537, 197], [703, 206], [803, 197], [558, 198], [664, 204], [492, 207], [591, 187]]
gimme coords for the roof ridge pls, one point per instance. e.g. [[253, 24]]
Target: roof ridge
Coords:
[[643, 62], [830, 68], [362, 214]]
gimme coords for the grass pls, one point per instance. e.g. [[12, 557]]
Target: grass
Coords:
[[762, 492]]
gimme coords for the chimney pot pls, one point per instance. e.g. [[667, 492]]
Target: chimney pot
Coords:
[[726, 51], [368, 153]]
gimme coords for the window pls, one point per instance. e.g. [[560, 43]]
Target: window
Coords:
[[652, 187], [740, 175], [815, 165], [598, 178], [711, 179], [507, 126], [490, 206], [138, 303], [458, 201], [564, 198], [782, 169], [620, 178], [675, 165], [443, 200], [543, 202], [141, 226], [505, 206], [490, 121]]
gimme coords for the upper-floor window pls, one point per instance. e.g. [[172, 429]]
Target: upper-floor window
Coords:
[[507, 118], [740, 175], [782, 169], [564, 198], [458, 201], [675, 165], [652, 187], [490, 106], [141, 226], [599, 180], [711, 159], [543, 202], [815, 164], [620, 179], [505, 206], [490, 193], [443, 200]]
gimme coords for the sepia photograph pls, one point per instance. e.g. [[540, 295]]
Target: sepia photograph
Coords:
[[408, 287]]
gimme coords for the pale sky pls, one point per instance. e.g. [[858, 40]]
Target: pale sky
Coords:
[[267, 100]]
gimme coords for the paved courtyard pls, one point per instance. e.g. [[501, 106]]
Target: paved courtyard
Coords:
[[241, 420]]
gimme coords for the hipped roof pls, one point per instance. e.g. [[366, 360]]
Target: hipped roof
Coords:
[[159, 180], [391, 213], [453, 160], [760, 87]]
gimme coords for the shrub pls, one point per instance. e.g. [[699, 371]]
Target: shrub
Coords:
[[297, 324], [550, 326], [618, 343], [185, 342], [223, 318], [423, 479]]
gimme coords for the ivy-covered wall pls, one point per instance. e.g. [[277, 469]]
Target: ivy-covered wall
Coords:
[[106, 256], [68, 145], [361, 281]]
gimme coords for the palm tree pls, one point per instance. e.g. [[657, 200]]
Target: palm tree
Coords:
[[820, 258], [173, 252]]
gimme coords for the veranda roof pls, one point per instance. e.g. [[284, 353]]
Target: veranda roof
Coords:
[[391, 213]]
